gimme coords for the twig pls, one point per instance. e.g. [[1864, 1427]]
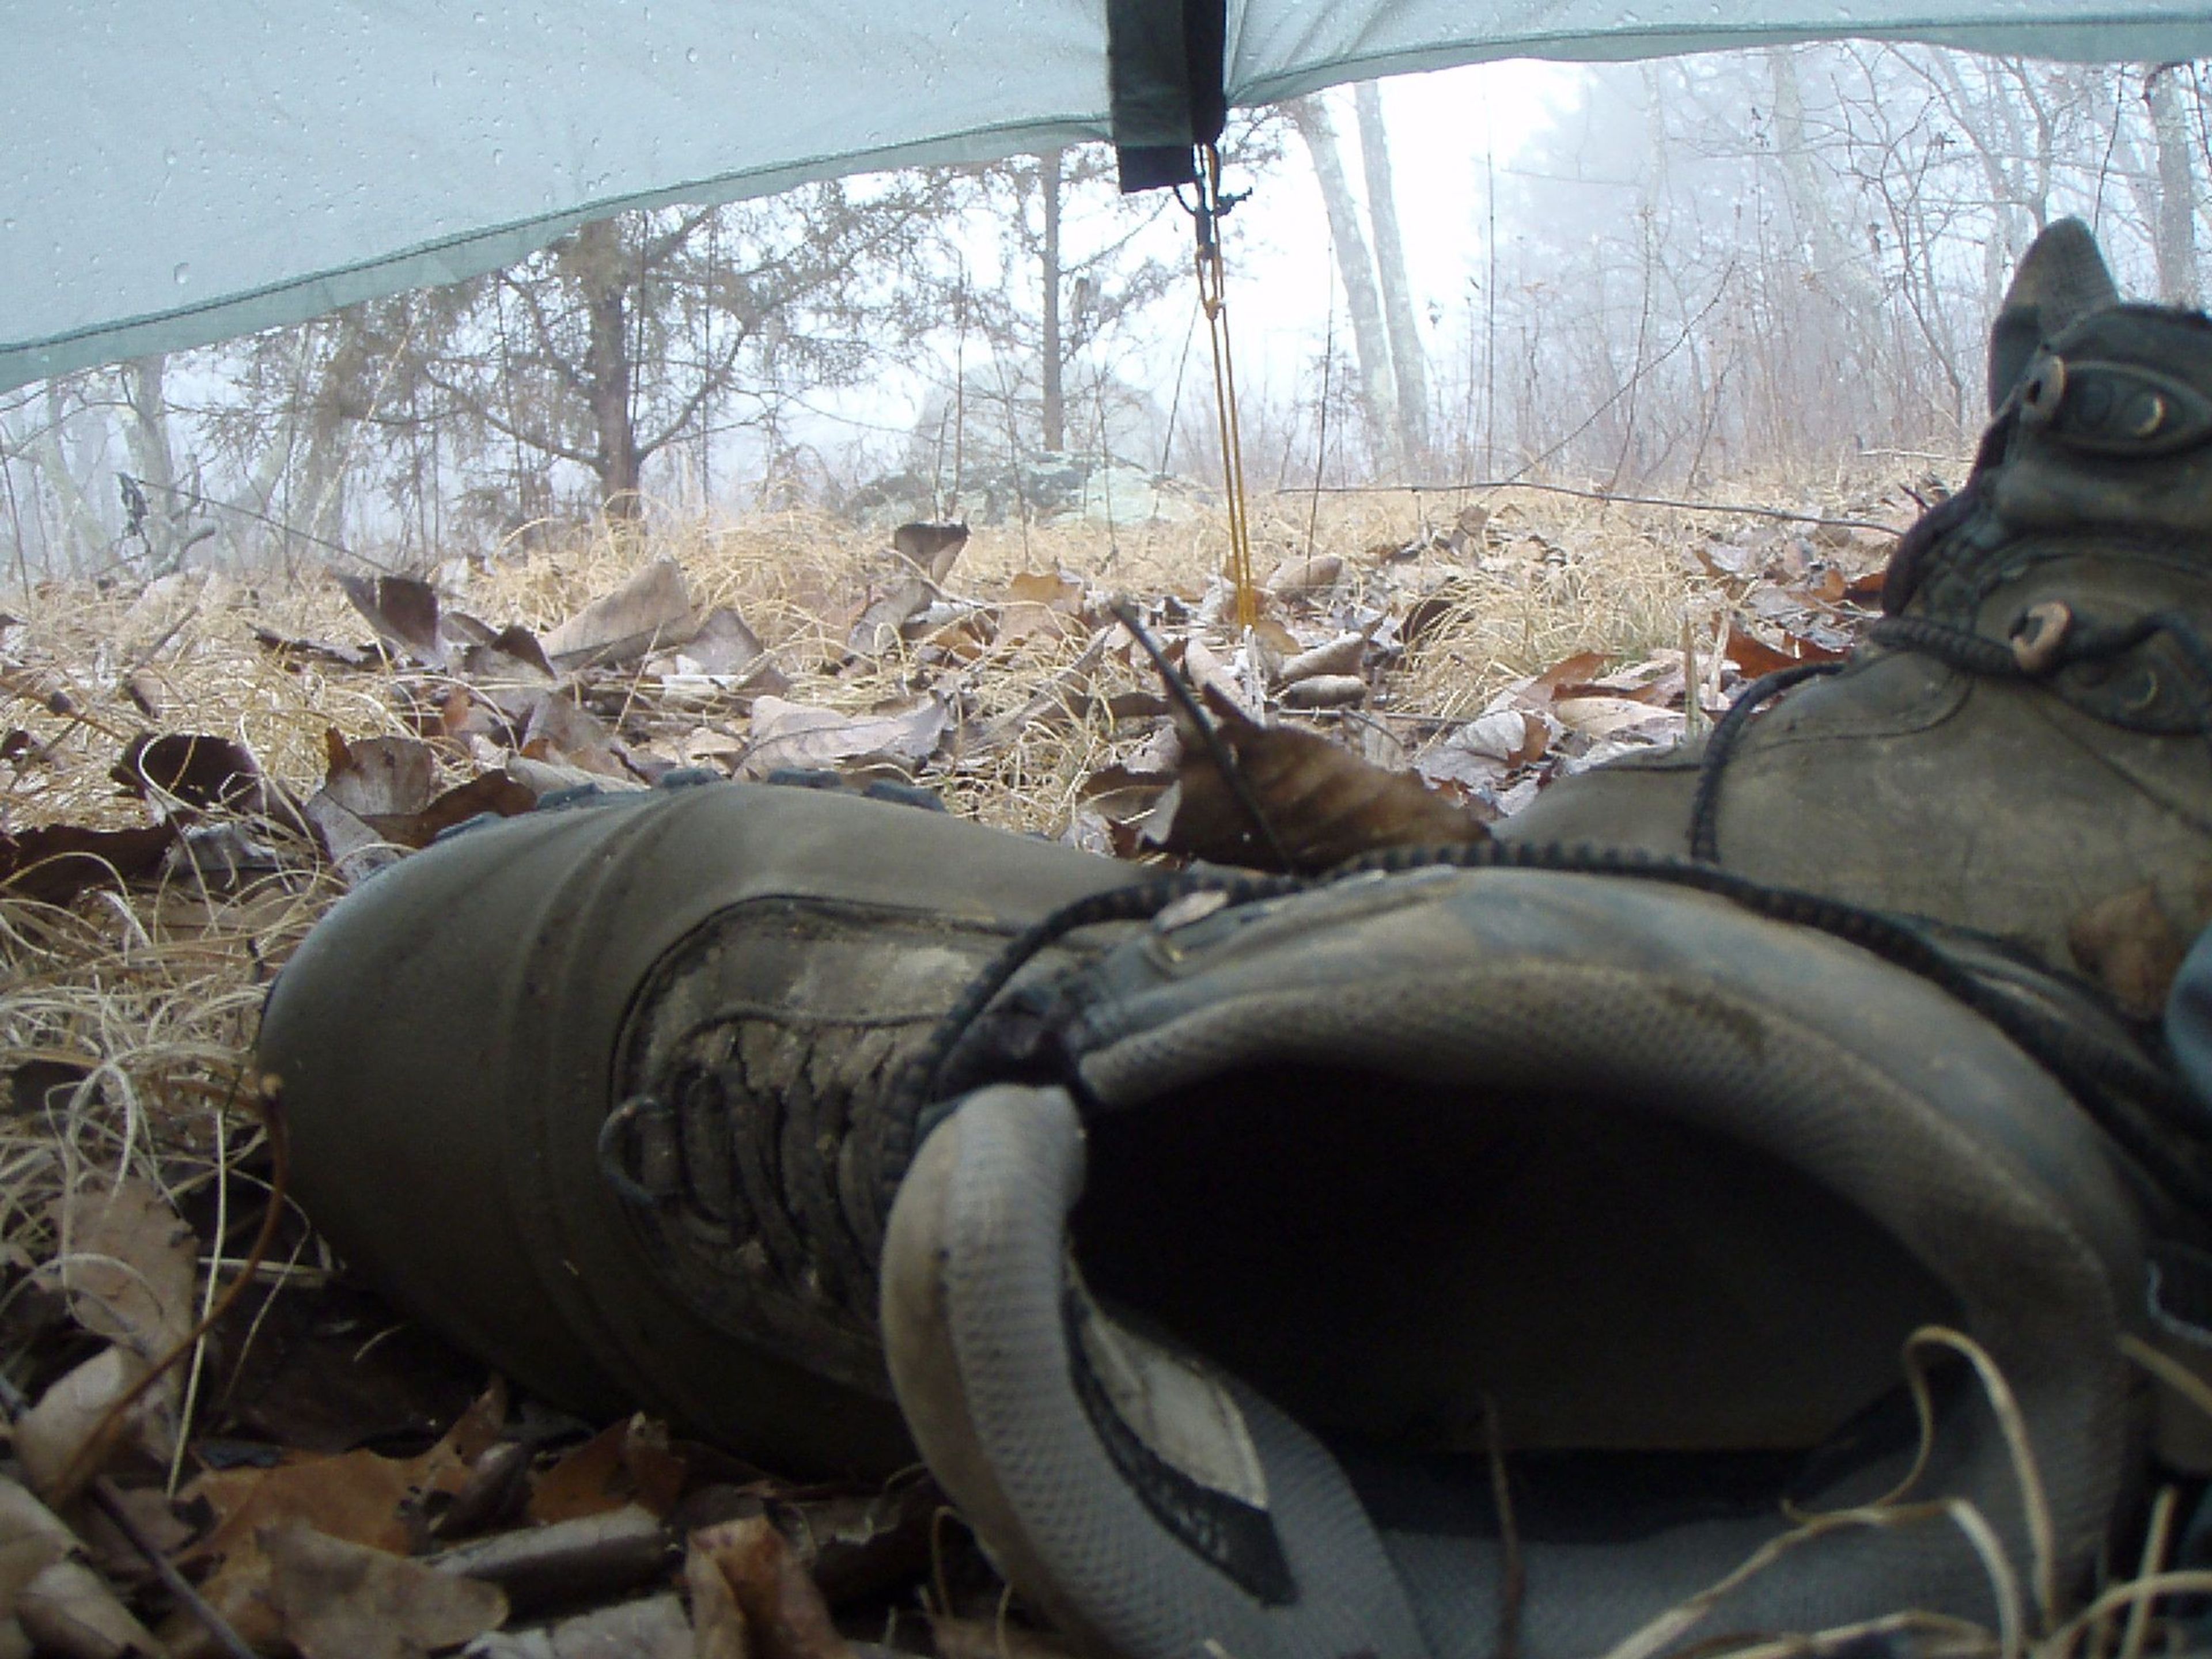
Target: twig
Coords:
[[198, 499], [1224, 763], [109, 1502], [1595, 495]]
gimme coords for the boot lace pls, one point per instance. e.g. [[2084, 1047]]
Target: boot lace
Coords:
[[2137, 1101]]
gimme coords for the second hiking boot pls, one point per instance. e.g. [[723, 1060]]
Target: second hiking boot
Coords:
[[598, 1093], [2023, 750], [1465, 1262]]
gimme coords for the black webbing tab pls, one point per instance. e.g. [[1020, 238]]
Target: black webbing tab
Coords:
[[1163, 61]]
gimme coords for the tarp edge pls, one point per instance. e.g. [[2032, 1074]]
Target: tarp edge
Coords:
[[457, 259], [2109, 40]]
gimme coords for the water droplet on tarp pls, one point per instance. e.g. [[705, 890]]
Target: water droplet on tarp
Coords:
[[181, 275], [691, 54]]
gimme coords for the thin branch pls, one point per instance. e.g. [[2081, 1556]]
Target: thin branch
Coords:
[[1470, 484]]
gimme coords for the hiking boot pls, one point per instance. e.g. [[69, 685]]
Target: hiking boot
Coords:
[[596, 1092], [1462, 1261], [2022, 747]]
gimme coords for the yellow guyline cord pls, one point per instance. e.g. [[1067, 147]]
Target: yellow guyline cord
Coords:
[[1212, 204]]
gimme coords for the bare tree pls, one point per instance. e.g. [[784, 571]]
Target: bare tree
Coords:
[[1408, 362], [1370, 340], [2175, 240], [627, 335]]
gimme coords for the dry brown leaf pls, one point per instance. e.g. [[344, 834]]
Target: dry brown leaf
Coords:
[[1323, 803], [1753, 657], [1055, 590], [592, 1555], [1866, 588], [195, 768], [564, 732], [794, 734], [543, 778], [357, 1496], [1025, 620], [377, 777], [1512, 735], [1602, 716], [625, 1463], [342, 1600], [127, 1265], [1342, 655], [1579, 669], [379, 797], [32, 1538], [723, 645], [650, 610], [23, 1517], [718, 1624], [1426, 614], [785, 1615], [1325, 691], [1211, 675], [880, 627], [69, 1613], [355, 850], [1299, 577], [497, 1487], [404, 611], [934, 547], [54, 1438], [509, 675], [54, 864], [344, 655], [493, 791]]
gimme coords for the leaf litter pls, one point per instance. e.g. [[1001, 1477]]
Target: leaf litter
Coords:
[[1407, 681]]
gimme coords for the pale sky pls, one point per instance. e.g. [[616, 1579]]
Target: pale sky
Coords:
[[1282, 281]]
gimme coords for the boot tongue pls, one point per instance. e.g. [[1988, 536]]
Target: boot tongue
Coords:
[[2062, 278], [2092, 497]]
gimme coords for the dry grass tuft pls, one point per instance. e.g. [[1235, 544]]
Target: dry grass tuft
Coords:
[[155, 992], [148, 998]]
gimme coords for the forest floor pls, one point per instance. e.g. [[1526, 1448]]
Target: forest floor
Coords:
[[191, 769]]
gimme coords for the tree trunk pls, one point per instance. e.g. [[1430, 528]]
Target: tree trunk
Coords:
[[84, 538], [608, 369], [1378, 385], [1836, 261], [146, 435], [2177, 188], [1055, 396], [1408, 365]]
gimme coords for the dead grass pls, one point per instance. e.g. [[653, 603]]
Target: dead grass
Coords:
[[156, 993], [143, 1002]]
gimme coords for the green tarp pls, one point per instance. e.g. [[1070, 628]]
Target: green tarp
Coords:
[[177, 175]]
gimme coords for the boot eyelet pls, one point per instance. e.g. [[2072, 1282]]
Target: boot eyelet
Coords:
[[2042, 393], [2040, 635], [636, 1150], [2145, 414], [2139, 689]]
